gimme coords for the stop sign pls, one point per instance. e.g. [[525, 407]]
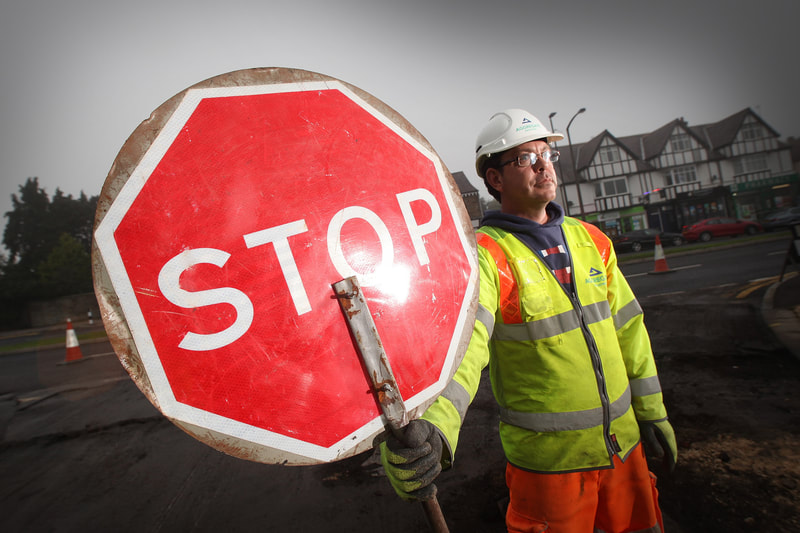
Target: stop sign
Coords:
[[222, 225]]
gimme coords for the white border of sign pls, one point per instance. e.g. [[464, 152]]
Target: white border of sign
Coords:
[[170, 407]]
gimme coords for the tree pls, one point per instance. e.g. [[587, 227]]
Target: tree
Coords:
[[64, 271], [35, 222], [74, 216], [42, 263], [28, 235]]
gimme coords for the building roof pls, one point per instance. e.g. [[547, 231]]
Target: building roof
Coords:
[[464, 185], [585, 152], [470, 196], [724, 132], [634, 144], [564, 165]]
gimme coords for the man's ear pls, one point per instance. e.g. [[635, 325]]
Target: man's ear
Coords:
[[493, 178]]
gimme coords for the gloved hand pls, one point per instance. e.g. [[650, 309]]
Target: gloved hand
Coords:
[[411, 466], [659, 442]]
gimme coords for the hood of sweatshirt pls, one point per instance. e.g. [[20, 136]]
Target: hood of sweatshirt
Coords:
[[515, 224]]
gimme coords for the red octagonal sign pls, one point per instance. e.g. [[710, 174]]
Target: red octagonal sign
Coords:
[[223, 224]]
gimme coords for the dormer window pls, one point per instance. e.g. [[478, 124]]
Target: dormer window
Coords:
[[752, 131], [680, 142], [609, 154]]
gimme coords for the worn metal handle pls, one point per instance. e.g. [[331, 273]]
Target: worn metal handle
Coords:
[[369, 345]]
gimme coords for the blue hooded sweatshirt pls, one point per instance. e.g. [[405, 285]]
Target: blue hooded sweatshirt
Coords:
[[545, 240]]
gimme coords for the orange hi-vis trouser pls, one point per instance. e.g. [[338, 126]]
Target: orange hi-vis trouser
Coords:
[[614, 500]]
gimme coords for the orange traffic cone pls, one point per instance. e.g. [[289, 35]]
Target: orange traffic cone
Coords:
[[661, 261], [73, 348]]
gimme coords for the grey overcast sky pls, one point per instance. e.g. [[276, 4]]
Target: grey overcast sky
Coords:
[[78, 76]]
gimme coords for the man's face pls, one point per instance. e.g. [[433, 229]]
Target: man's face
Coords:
[[525, 187]]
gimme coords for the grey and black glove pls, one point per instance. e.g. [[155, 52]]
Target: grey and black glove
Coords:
[[660, 443], [412, 465]]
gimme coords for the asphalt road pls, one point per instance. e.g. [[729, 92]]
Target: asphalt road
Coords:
[[690, 270], [43, 368]]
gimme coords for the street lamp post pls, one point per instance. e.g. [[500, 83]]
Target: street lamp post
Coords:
[[564, 201], [574, 164]]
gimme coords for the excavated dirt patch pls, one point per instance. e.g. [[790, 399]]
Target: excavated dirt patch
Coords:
[[732, 395]]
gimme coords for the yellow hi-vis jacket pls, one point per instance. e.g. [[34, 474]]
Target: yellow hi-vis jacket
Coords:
[[572, 375]]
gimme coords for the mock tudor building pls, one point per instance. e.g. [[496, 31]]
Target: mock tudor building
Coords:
[[678, 174], [471, 198]]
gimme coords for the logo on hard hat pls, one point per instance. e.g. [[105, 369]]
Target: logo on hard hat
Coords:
[[527, 124]]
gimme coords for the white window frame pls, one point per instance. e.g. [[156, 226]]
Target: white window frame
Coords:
[[609, 154], [601, 187], [752, 131], [680, 142], [750, 163], [685, 174]]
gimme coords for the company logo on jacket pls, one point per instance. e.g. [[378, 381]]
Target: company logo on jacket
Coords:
[[596, 277]]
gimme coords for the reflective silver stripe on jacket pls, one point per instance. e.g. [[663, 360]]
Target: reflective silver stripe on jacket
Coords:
[[553, 325], [645, 386], [486, 318], [567, 421], [628, 311], [458, 396]]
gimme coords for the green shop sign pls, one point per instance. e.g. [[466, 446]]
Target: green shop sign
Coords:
[[765, 183]]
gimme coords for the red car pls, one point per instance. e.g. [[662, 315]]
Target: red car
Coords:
[[705, 230]]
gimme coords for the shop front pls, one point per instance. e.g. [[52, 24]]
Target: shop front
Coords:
[[753, 200], [689, 207], [697, 205]]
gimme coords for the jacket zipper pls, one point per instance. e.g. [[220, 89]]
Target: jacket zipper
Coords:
[[612, 446]]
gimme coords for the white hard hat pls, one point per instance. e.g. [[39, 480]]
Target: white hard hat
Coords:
[[506, 130]]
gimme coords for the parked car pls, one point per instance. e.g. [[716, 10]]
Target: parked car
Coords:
[[782, 219], [636, 241], [709, 228]]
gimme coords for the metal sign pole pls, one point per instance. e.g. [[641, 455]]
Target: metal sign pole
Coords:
[[384, 385]]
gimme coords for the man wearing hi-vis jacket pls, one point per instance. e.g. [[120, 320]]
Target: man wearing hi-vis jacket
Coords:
[[570, 359]]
